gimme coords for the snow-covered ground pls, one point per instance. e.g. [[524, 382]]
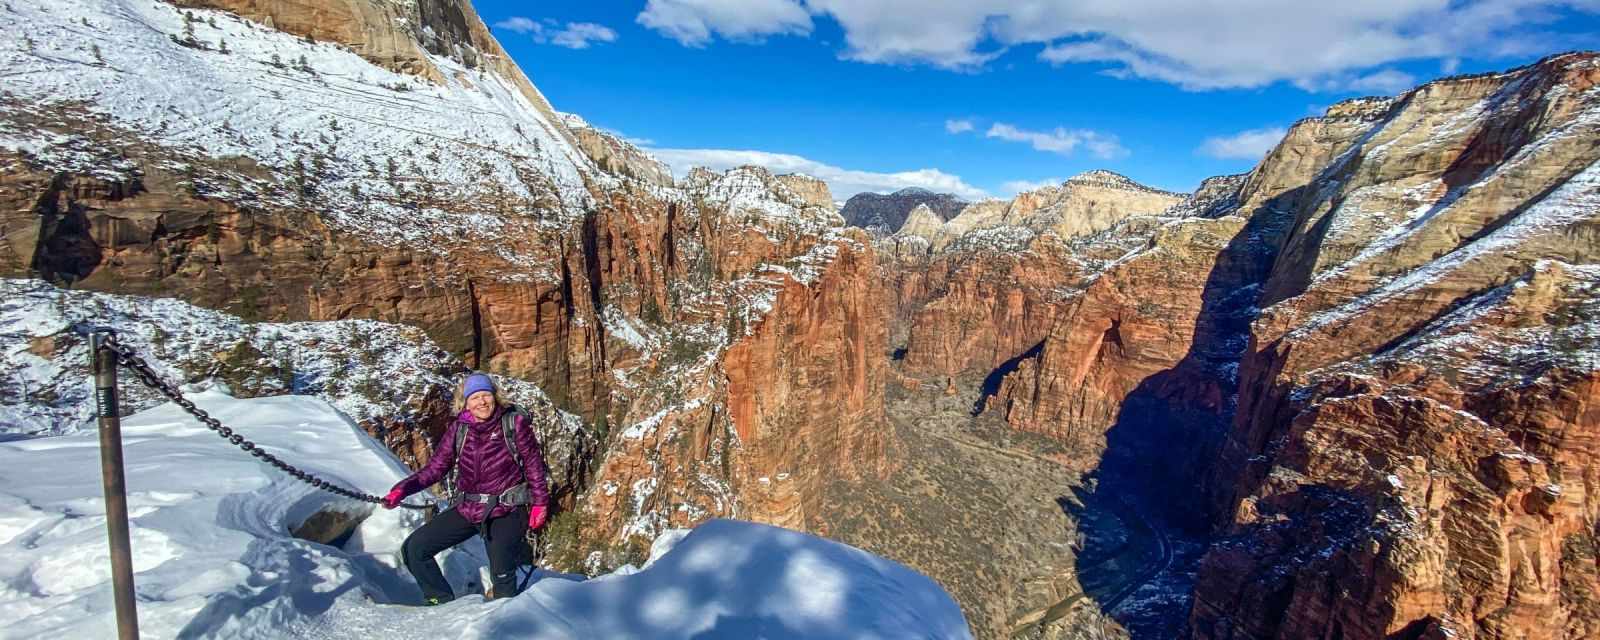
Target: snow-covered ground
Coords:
[[213, 556], [390, 157]]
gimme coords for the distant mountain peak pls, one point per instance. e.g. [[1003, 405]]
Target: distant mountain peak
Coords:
[[1102, 175], [884, 213], [1112, 180]]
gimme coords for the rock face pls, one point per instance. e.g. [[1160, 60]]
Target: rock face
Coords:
[[978, 294], [1378, 350], [882, 214], [1090, 202], [1142, 328], [1413, 447], [405, 37], [812, 191], [615, 155]]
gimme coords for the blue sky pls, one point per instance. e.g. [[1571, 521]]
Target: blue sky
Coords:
[[987, 98]]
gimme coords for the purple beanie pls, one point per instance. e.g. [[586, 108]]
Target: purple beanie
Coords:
[[475, 383]]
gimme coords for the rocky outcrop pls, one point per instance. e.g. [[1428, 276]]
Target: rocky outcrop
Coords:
[[1130, 330], [1216, 196], [922, 223], [977, 295], [398, 36], [969, 313], [616, 156], [882, 214], [1408, 450], [1088, 203], [812, 191], [1443, 483], [818, 353]]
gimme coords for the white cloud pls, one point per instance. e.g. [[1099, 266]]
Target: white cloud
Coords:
[[1014, 187], [842, 182], [576, 35], [1060, 140], [945, 33], [1196, 45], [694, 22], [958, 126], [1386, 81], [1245, 145], [519, 24]]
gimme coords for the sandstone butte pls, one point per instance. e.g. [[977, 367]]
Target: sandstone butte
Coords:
[[1368, 366]]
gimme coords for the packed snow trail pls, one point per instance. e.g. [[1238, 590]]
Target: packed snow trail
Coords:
[[213, 556]]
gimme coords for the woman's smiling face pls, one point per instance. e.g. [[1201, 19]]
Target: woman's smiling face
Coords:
[[481, 404]]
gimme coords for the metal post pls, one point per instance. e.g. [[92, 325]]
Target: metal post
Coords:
[[105, 386]]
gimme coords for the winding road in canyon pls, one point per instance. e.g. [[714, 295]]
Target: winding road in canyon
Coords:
[[1041, 617]]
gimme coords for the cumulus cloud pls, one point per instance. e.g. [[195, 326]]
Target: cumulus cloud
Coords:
[[842, 182], [574, 35], [1060, 140], [1196, 45], [1245, 145], [959, 126], [694, 22]]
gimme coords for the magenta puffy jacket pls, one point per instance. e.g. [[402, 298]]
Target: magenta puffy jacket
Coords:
[[486, 465]]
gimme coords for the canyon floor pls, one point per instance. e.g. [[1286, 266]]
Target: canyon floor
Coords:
[[1029, 546]]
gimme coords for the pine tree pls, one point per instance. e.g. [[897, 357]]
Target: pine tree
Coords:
[[95, 49], [276, 61], [222, 45]]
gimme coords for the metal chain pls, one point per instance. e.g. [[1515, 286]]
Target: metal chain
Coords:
[[142, 369]]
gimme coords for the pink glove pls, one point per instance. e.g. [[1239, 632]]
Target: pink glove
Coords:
[[393, 499], [536, 516]]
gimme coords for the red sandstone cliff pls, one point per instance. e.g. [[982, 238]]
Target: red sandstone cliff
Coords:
[[1414, 439]]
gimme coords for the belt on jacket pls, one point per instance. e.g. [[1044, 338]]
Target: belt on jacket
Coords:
[[516, 495]]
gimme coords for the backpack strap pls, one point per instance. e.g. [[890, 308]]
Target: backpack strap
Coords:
[[508, 427], [455, 465]]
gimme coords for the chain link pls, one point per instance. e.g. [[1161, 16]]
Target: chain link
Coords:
[[147, 375]]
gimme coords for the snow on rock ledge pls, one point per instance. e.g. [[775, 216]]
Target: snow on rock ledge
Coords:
[[214, 557]]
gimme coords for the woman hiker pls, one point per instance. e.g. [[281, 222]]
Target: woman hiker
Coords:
[[493, 455]]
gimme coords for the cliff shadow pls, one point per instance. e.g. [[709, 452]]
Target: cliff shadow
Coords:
[[1146, 501], [991, 383]]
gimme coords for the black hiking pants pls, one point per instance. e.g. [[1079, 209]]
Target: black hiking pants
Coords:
[[448, 529]]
